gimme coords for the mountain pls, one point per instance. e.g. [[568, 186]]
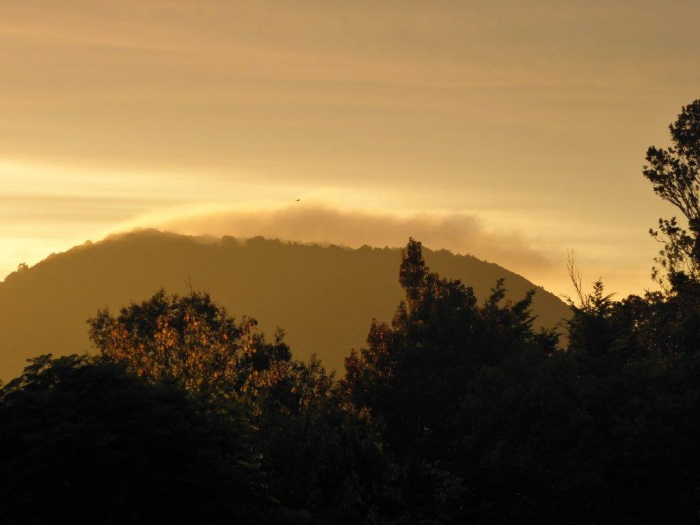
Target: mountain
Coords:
[[323, 297]]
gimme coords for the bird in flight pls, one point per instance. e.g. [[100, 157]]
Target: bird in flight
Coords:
[[298, 200]]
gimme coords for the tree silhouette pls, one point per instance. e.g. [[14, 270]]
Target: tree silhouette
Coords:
[[320, 458], [416, 374], [82, 440], [673, 171]]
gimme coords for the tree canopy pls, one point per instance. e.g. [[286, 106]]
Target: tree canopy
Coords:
[[85, 440]]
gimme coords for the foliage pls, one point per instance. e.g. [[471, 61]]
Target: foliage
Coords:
[[417, 374], [415, 370], [319, 458], [321, 455], [673, 171], [83, 440], [193, 341]]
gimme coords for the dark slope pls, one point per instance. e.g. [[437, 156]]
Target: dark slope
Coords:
[[323, 297]]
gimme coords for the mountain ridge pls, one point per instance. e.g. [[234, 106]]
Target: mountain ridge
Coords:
[[324, 297]]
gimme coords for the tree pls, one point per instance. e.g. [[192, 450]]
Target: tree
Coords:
[[417, 373], [673, 171], [192, 340], [321, 459], [675, 175], [415, 370], [84, 441]]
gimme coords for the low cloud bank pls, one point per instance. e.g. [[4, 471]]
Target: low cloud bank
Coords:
[[459, 233]]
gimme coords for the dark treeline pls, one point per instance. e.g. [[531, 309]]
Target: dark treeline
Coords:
[[458, 411]]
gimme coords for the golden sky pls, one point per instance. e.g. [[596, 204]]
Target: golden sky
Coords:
[[511, 130]]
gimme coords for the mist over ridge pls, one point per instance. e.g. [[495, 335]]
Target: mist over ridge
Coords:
[[320, 222]]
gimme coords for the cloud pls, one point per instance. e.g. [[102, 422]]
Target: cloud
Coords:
[[460, 233]]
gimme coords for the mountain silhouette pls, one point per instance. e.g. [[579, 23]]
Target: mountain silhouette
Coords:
[[324, 297]]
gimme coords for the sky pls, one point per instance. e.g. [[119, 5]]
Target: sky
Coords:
[[514, 131]]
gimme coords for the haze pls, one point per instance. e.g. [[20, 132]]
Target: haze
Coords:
[[514, 131]]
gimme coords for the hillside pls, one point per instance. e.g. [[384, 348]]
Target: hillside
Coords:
[[323, 297]]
